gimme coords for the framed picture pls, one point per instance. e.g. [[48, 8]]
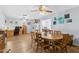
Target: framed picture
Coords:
[[61, 20], [69, 20], [54, 22], [67, 16]]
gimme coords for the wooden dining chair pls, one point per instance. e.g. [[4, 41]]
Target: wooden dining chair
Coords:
[[45, 46], [33, 35], [55, 47], [39, 42], [64, 43], [45, 32], [42, 44], [33, 38], [48, 46], [70, 40], [51, 46], [57, 33]]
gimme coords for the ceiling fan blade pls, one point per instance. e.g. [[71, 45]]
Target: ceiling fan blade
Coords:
[[34, 10], [49, 11]]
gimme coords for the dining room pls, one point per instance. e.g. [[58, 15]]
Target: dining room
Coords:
[[39, 29]]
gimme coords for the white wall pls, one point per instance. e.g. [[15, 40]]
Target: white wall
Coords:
[[13, 24], [73, 27], [2, 20], [46, 23]]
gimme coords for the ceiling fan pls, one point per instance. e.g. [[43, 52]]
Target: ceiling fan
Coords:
[[42, 9]]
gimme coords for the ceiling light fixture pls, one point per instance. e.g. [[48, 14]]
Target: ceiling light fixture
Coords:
[[42, 10]]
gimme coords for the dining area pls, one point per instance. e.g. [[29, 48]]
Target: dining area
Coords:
[[39, 29], [29, 31], [54, 42]]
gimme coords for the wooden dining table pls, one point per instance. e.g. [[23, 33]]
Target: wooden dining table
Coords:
[[52, 37]]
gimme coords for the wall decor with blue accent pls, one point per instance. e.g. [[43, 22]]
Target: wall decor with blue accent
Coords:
[[61, 20]]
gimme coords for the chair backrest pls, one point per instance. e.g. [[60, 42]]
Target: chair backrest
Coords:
[[33, 35], [50, 31], [65, 38], [57, 33], [46, 41], [38, 35]]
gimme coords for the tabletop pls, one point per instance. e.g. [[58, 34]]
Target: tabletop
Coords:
[[49, 36]]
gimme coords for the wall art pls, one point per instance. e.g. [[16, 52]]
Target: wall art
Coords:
[[54, 22], [69, 20], [67, 16], [61, 20]]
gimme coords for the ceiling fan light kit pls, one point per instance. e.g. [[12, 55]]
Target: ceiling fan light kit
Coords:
[[42, 10]]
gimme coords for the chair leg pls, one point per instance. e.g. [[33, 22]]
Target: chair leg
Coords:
[[57, 49], [38, 48], [64, 50]]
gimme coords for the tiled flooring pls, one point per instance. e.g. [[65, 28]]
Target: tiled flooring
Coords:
[[22, 44]]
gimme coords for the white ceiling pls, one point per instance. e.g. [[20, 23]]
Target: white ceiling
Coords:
[[17, 11]]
